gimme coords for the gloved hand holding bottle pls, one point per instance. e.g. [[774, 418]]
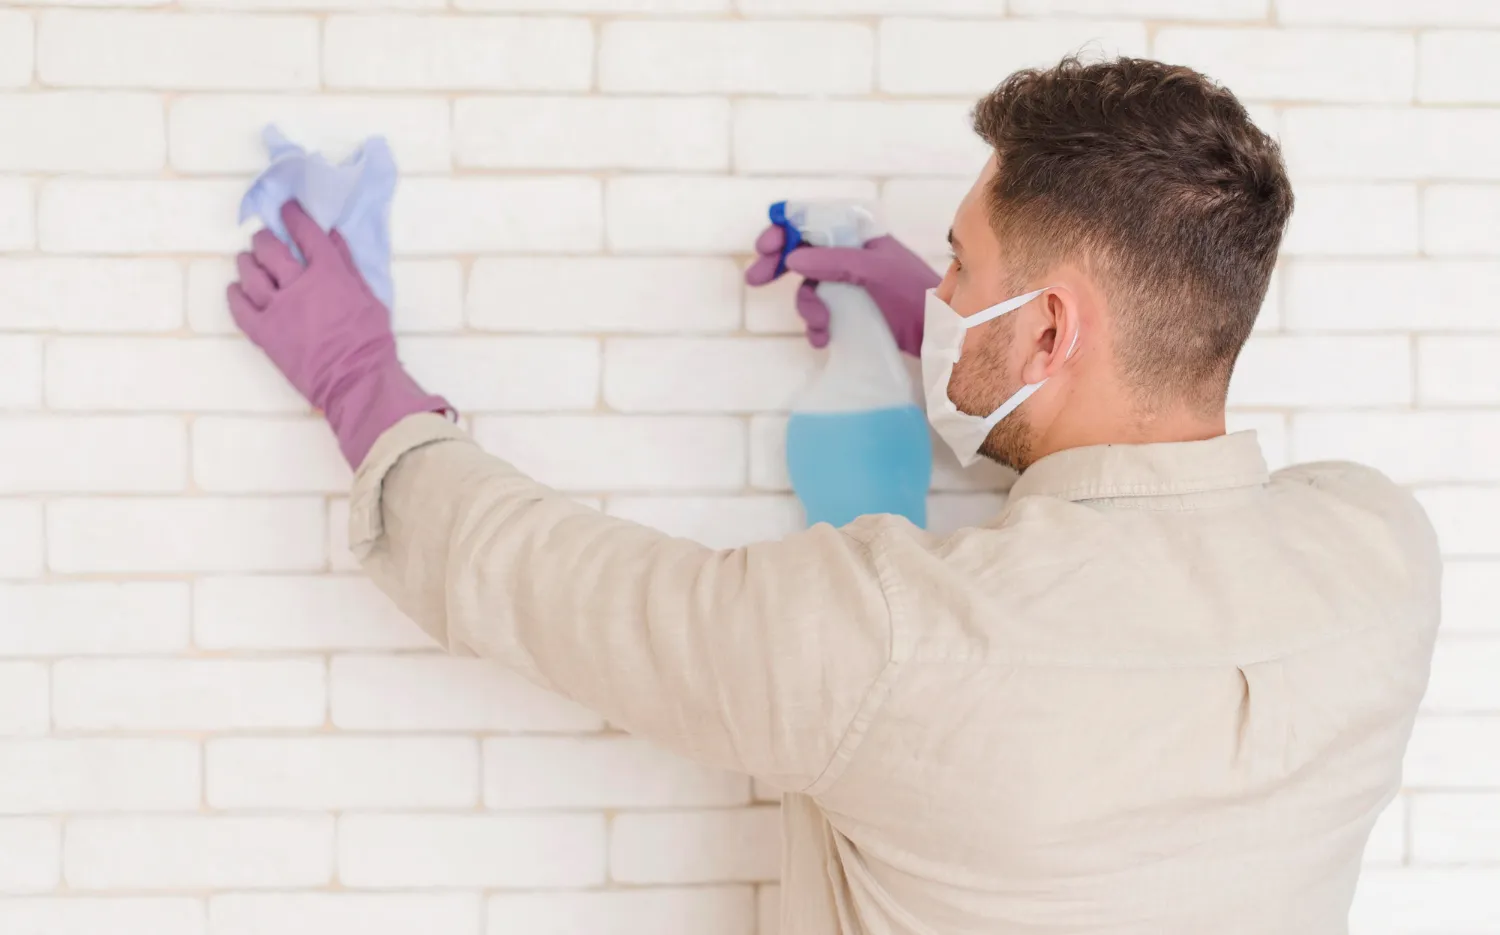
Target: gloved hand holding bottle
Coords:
[[323, 328], [895, 277]]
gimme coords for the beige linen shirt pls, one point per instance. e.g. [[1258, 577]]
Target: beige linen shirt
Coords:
[[1163, 691]]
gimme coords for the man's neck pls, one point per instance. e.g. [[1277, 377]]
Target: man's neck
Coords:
[[1122, 428]]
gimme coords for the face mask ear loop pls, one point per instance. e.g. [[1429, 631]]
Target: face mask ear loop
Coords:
[[995, 311], [1011, 405]]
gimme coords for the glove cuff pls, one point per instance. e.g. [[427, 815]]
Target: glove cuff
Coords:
[[374, 402]]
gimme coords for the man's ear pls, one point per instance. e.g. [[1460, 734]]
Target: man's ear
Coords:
[[1055, 335]]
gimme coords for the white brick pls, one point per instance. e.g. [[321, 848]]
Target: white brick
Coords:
[[23, 698], [1453, 752], [507, 374], [768, 470], [84, 455], [429, 296], [1458, 66], [560, 214], [705, 214], [445, 693], [1299, 371], [17, 48], [342, 773], [592, 133], [20, 372], [502, 851], [1471, 597], [328, 913], [263, 612], [267, 456], [1163, 9], [187, 694], [1456, 828], [1272, 432], [869, 7], [706, 374], [768, 909], [195, 534], [600, 772], [221, 133], [174, 52], [17, 213], [91, 295], [1467, 518], [79, 215], [1425, 901], [1391, 295], [103, 774], [198, 852], [736, 57], [947, 513], [1389, 12], [457, 53], [957, 57], [30, 855], [1298, 64], [1458, 370], [91, 915], [1410, 447], [158, 374], [20, 539], [1461, 220], [873, 137], [82, 131], [920, 211], [740, 845], [1387, 844], [1463, 676], [645, 453], [87, 618], [718, 522], [596, 6], [720, 910], [1353, 220], [1389, 143], [611, 294]]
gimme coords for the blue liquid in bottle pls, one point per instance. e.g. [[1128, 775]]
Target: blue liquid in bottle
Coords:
[[844, 465]]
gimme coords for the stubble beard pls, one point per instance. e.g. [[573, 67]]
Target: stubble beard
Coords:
[[987, 377]]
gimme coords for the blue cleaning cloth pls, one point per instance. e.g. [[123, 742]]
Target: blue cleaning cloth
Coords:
[[353, 197]]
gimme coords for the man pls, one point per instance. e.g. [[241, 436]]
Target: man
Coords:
[[1162, 692]]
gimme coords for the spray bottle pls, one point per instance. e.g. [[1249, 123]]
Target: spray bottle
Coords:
[[856, 443]]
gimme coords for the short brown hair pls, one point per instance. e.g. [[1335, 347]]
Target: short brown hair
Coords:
[[1155, 177]]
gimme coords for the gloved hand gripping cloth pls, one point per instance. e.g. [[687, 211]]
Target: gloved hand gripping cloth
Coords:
[[353, 196]]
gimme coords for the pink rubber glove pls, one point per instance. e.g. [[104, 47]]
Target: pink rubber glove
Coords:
[[326, 332], [896, 279]]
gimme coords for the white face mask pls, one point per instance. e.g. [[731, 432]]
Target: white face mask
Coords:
[[942, 343]]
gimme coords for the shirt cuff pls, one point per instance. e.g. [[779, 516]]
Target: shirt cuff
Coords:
[[366, 524]]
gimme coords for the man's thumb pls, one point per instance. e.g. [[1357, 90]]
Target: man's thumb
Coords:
[[829, 264]]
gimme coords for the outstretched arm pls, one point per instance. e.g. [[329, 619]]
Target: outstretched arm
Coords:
[[757, 659]]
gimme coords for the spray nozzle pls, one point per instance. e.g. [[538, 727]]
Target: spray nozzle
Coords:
[[830, 223]]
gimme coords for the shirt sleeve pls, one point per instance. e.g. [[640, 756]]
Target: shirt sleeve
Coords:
[[758, 659]]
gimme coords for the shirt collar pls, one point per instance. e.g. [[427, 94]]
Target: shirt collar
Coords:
[[1173, 468]]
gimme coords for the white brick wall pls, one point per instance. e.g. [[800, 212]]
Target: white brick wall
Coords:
[[210, 726]]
